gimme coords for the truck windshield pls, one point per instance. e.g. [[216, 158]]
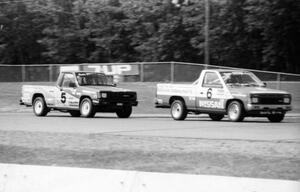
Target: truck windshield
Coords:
[[233, 78], [85, 78]]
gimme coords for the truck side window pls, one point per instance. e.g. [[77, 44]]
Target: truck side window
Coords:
[[60, 79], [68, 79], [211, 79]]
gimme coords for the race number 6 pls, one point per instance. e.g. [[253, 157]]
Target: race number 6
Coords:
[[63, 97], [209, 93]]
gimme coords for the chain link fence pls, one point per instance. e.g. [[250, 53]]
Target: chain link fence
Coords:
[[144, 72]]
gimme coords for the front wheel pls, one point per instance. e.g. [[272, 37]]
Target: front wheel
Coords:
[[216, 117], [276, 117], [235, 111], [87, 108], [39, 107], [124, 112], [178, 110]]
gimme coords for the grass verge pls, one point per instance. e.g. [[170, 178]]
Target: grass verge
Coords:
[[11, 93], [193, 156]]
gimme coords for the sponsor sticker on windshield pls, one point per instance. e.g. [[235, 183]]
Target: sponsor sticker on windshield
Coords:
[[238, 72]]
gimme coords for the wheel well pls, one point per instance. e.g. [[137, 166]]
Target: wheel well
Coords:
[[238, 100], [36, 95], [173, 98], [82, 97]]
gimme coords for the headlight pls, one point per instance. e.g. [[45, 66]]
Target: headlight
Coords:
[[103, 95], [254, 100], [286, 100]]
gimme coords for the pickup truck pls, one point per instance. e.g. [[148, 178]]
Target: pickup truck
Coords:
[[236, 93], [80, 94]]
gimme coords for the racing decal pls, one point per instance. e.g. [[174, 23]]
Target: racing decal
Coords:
[[63, 97], [168, 89], [73, 103], [69, 98], [209, 93], [216, 104], [192, 98], [219, 93]]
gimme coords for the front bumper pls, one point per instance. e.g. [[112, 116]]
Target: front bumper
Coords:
[[263, 110], [99, 102], [111, 106]]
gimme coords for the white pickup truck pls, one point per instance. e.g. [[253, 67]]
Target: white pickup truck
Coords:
[[80, 94], [235, 93]]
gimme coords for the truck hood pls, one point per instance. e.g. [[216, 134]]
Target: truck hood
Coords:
[[103, 88], [254, 90]]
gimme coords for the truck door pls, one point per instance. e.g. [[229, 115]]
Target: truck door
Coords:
[[211, 93], [66, 95]]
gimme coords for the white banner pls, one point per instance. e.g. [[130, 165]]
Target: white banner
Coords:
[[107, 69], [113, 69]]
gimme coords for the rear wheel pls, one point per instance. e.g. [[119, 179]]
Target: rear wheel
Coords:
[[178, 110], [216, 117], [75, 113], [124, 112], [87, 108], [235, 111], [39, 107], [276, 117]]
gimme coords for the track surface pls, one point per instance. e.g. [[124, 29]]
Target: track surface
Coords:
[[256, 129]]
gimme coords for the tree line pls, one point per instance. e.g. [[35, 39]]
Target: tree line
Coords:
[[257, 34]]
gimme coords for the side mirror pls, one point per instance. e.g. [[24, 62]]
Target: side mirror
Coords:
[[265, 84], [72, 84]]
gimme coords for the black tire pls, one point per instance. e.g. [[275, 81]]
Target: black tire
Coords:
[[75, 113], [235, 111], [39, 107], [276, 117], [216, 117], [124, 112], [86, 108], [178, 110]]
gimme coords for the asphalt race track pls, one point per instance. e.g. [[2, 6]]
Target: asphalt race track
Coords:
[[256, 129]]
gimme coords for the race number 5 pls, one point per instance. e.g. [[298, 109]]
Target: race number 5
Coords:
[[63, 97], [209, 93]]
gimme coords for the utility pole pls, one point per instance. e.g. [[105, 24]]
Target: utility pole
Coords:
[[206, 33], [179, 3]]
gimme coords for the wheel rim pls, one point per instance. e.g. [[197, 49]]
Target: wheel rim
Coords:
[[38, 106], [176, 110], [85, 108], [234, 111]]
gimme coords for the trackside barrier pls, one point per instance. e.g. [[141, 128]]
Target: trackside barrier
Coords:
[[26, 178], [134, 71]]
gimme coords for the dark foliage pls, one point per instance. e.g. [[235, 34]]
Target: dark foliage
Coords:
[[258, 34]]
